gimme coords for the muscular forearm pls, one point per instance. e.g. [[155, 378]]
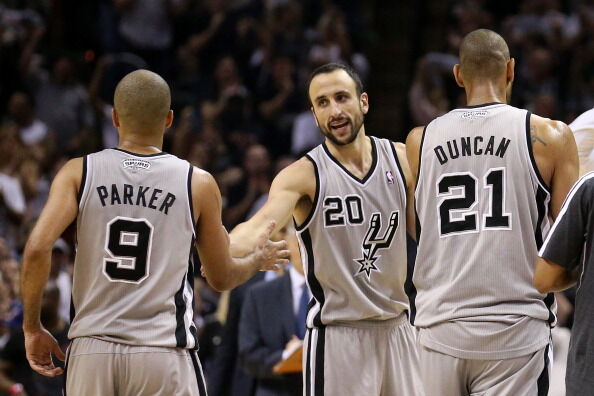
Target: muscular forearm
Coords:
[[35, 272], [563, 282]]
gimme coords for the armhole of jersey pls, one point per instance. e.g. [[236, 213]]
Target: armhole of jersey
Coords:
[[531, 156], [83, 182], [402, 177], [190, 202], [420, 157], [314, 205]]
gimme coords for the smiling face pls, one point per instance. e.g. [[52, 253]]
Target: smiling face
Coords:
[[338, 110]]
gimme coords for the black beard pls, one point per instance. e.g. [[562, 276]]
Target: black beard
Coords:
[[355, 129]]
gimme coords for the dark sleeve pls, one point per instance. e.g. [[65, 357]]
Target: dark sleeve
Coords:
[[565, 242], [255, 356]]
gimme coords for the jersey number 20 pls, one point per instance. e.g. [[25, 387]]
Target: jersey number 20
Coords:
[[128, 247]]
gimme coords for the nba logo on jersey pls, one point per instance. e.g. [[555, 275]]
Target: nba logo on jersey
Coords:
[[390, 177]]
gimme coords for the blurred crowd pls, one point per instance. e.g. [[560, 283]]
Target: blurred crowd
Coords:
[[238, 71], [551, 40]]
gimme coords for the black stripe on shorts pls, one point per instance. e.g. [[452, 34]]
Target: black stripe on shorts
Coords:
[[198, 371]]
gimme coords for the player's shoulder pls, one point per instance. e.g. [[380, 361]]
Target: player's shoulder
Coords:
[[304, 167], [545, 127]]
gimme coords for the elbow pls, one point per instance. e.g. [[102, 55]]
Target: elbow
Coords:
[[220, 284], [542, 285]]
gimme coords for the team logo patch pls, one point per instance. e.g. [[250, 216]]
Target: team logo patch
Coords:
[[135, 164], [473, 115], [390, 177], [372, 243]]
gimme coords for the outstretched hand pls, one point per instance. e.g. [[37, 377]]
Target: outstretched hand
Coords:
[[40, 346], [270, 254]]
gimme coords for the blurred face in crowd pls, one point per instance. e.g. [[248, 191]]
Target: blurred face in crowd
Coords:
[[257, 160], [19, 107], [338, 110], [63, 71]]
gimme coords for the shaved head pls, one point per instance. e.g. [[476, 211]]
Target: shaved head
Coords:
[[142, 99], [483, 55]]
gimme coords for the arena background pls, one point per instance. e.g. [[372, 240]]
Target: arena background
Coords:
[[238, 72]]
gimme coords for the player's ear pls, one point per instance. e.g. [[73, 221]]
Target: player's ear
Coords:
[[458, 75], [114, 118], [169, 119], [510, 73], [364, 102]]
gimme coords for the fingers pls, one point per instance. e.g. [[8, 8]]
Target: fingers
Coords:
[[48, 370], [59, 353]]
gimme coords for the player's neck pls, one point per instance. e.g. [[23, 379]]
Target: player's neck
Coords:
[[355, 156], [486, 93], [141, 144]]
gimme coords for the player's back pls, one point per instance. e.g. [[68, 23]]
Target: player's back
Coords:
[[133, 274], [482, 211], [353, 246]]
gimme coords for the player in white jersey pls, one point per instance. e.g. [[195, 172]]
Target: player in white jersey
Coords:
[[348, 198], [487, 175], [139, 214]]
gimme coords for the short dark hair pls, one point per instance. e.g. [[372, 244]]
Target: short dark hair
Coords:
[[330, 67]]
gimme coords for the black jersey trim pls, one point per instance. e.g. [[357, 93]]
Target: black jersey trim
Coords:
[[83, 180], [138, 154], [531, 154], [314, 204], [319, 373], [480, 105], [316, 289], [199, 374], [543, 379], [409, 287], [181, 338], [541, 197], [190, 202], [371, 170], [308, 364], [395, 154], [420, 156]]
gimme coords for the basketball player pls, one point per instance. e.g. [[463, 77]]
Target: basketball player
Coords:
[[138, 211], [348, 199], [566, 259], [487, 175]]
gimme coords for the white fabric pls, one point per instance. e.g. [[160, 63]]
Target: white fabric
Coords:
[[583, 131]]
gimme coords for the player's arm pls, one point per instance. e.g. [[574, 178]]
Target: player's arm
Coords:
[[223, 271], [410, 187], [556, 155], [413, 148], [560, 261], [59, 212], [551, 277], [292, 192]]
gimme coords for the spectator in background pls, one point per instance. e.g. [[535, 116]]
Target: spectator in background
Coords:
[[278, 103], [146, 29], [272, 325], [61, 275], [12, 200], [13, 363], [63, 104], [32, 131], [250, 192]]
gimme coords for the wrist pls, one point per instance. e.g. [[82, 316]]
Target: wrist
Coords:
[[16, 389]]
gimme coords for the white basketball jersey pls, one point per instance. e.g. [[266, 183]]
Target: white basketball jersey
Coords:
[[482, 212], [353, 245], [133, 274]]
